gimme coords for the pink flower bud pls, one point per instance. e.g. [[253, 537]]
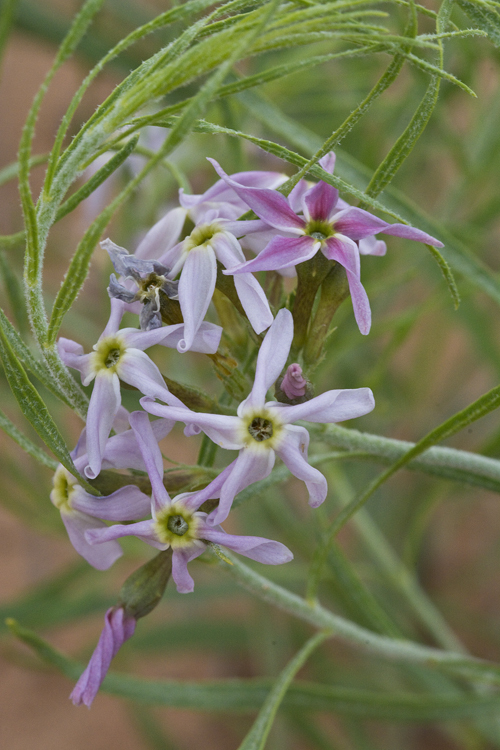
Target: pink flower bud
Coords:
[[294, 384]]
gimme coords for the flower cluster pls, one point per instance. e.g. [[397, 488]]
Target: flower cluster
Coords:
[[169, 283]]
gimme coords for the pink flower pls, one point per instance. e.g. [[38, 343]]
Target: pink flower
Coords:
[[310, 221]]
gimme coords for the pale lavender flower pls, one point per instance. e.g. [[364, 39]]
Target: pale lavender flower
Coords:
[[119, 355], [81, 511], [318, 226], [261, 430], [178, 523], [118, 628], [195, 259]]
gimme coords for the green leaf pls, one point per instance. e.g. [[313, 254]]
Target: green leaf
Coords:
[[25, 443], [257, 736], [39, 370], [483, 16], [250, 695], [97, 179], [479, 408], [35, 410]]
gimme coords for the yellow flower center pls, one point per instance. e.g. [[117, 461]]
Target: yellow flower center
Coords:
[[177, 526], [201, 236], [319, 230], [262, 429], [63, 483], [108, 353]]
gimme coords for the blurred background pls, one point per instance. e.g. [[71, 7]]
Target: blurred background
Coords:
[[424, 360]]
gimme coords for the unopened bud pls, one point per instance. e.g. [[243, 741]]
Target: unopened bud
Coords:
[[293, 388], [143, 590]]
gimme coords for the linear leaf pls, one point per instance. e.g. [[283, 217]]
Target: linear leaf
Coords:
[[22, 352], [249, 695], [26, 444], [257, 736], [97, 179], [34, 409]]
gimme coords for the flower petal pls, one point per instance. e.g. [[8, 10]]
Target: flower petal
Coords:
[[271, 360], [293, 453], [320, 201], [255, 547], [151, 455], [104, 404], [196, 287], [358, 224], [269, 205], [180, 573], [249, 467], [332, 406], [193, 500], [77, 524], [137, 369], [282, 252], [360, 304], [163, 235], [223, 430], [372, 246], [72, 355], [126, 504], [143, 530]]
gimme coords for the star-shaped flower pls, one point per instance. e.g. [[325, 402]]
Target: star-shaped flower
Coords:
[[261, 430]]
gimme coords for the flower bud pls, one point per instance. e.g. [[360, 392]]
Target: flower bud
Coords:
[[143, 590], [293, 388]]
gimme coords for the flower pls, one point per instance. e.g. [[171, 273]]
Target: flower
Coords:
[[178, 523], [118, 355], [321, 227], [261, 430], [118, 628], [81, 511], [195, 258]]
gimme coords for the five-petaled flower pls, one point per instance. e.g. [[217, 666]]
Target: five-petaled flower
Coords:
[[179, 523], [263, 429], [318, 226]]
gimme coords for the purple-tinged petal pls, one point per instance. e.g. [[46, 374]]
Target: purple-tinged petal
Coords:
[[193, 500], [372, 246], [254, 301], [122, 451], [115, 318], [269, 205], [250, 292], [332, 406], [328, 162], [206, 340], [80, 448], [358, 224], [360, 304], [320, 201], [77, 524], [118, 627], [173, 259], [143, 530], [271, 360], [410, 233], [103, 406], [196, 287], [121, 423], [293, 453], [344, 251], [282, 252], [242, 228], [126, 504], [296, 196], [151, 455], [137, 369], [223, 430], [255, 547], [163, 235], [180, 573], [72, 355], [249, 467]]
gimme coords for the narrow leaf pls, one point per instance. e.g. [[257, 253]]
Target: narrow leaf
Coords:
[[25, 443]]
